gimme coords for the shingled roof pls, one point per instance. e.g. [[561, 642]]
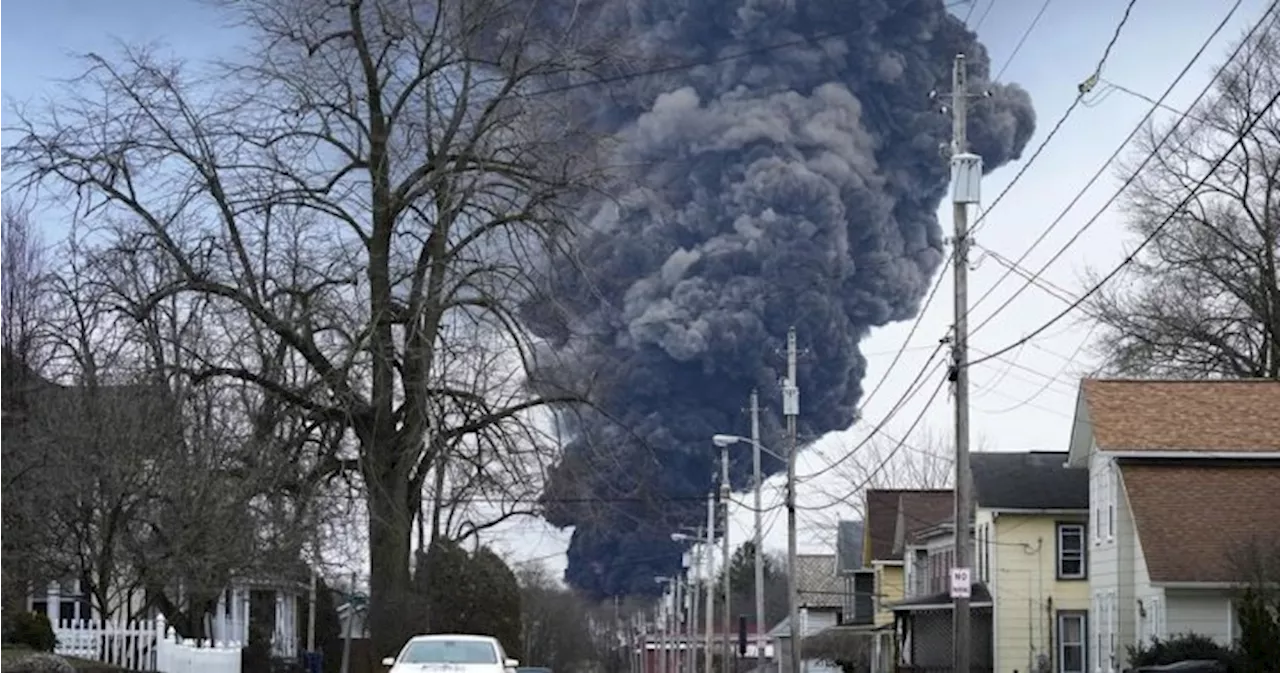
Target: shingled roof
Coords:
[[1033, 480], [919, 509], [1191, 518], [1145, 415], [817, 582]]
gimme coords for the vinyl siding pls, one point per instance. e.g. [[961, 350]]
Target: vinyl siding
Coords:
[[889, 590], [1027, 593]]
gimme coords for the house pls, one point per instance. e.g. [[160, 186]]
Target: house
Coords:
[[1182, 476], [48, 429], [891, 516], [821, 598], [851, 640], [1030, 522], [924, 618]]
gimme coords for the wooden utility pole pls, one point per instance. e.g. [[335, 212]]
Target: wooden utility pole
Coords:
[[966, 177], [761, 661], [791, 410]]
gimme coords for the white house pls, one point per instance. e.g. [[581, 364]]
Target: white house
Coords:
[[69, 608], [821, 600], [1182, 474]]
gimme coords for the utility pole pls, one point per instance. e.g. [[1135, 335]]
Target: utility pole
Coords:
[[315, 580], [791, 409], [966, 176], [727, 663], [695, 594], [351, 618], [711, 599], [759, 528], [677, 657]]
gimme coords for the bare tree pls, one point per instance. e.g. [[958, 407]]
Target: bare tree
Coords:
[[1203, 298], [484, 478], [367, 172], [23, 281], [555, 621]]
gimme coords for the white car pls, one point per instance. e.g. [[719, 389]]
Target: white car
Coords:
[[451, 653]]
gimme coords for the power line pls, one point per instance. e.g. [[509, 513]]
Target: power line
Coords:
[[1191, 194], [1083, 89], [942, 380], [942, 272], [1114, 155], [1022, 40]]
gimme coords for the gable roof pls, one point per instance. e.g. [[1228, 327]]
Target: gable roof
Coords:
[[921, 509], [816, 581], [1191, 517], [1153, 415], [1028, 480]]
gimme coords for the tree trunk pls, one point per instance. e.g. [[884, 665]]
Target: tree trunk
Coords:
[[390, 530]]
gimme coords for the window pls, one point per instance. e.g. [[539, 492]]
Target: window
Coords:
[[1111, 501], [1071, 551], [1111, 631], [1071, 642], [450, 652]]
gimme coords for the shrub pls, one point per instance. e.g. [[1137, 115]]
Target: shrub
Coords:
[[1186, 647], [33, 630]]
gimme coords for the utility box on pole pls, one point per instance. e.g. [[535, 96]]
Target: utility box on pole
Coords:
[[966, 178]]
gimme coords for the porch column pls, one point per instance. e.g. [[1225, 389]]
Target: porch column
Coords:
[[53, 596]]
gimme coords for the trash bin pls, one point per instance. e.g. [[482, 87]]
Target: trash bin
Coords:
[[313, 662]]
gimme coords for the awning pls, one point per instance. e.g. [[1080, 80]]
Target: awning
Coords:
[[980, 598]]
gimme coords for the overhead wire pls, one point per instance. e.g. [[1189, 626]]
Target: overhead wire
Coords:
[[1133, 176], [1115, 36], [1191, 194], [1022, 40], [1083, 89]]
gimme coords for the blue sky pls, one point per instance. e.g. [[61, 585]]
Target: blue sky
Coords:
[[1021, 401]]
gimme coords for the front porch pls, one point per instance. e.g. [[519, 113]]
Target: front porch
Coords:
[[924, 628]]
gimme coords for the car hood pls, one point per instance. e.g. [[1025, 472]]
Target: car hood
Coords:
[[447, 668]]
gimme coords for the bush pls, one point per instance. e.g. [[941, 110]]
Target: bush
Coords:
[[1186, 647], [32, 630]]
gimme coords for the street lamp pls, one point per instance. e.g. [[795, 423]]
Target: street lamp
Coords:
[[690, 627], [725, 441], [668, 621]]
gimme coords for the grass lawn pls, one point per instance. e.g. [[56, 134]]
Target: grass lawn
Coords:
[[10, 656]]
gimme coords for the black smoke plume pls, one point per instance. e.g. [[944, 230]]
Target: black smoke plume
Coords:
[[765, 187]]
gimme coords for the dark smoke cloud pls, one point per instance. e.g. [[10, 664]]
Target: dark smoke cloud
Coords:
[[795, 186]]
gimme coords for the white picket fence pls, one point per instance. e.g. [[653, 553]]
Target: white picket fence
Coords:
[[145, 645]]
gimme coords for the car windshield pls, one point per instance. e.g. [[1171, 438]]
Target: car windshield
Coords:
[[450, 652]]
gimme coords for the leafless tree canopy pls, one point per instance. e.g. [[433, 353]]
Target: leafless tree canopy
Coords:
[[1203, 298], [367, 177]]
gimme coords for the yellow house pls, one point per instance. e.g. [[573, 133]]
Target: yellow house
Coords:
[[889, 517], [1030, 528], [892, 516]]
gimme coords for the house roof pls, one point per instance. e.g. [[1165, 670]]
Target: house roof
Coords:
[[1028, 480], [849, 538], [918, 513], [1192, 518], [979, 596], [920, 508], [1147, 415], [817, 581]]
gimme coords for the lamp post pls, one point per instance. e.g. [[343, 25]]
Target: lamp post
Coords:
[[664, 661], [725, 441], [696, 593]]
